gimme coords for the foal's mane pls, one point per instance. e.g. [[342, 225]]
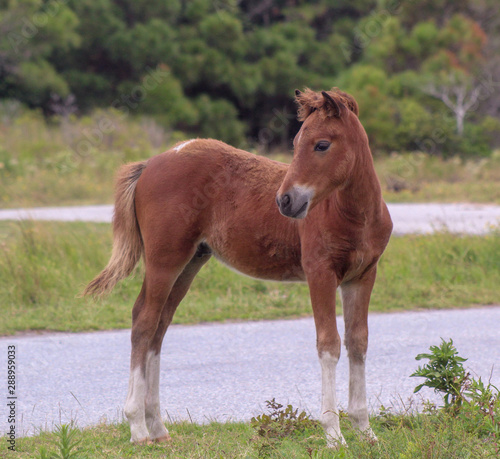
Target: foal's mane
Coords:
[[310, 101]]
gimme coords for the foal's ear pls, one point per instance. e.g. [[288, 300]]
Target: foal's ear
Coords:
[[334, 106], [303, 100]]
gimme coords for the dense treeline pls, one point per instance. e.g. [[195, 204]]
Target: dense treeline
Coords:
[[425, 72]]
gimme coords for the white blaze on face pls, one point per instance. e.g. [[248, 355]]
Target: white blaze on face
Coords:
[[183, 144], [297, 141]]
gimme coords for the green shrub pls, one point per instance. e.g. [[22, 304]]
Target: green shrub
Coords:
[[475, 404], [444, 373]]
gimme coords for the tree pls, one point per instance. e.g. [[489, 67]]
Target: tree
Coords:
[[453, 70], [233, 65], [30, 32], [459, 93]]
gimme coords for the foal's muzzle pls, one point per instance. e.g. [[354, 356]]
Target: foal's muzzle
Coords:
[[295, 202]]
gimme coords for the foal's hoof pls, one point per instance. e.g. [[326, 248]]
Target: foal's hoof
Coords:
[[164, 439], [370, 436], [335, 443], [143, 441]]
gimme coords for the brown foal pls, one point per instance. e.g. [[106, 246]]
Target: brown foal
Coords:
[[321, 220]]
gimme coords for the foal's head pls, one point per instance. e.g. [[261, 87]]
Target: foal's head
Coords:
[[324, 150]]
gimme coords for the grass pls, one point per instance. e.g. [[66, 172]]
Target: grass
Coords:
[[430, 435], [74, 162], [44, 265], [423, 178]]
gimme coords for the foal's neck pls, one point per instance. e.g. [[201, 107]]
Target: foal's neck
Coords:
[[360, 198]]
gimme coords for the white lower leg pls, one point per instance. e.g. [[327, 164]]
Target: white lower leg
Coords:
[[134, 406], [157, 430], [358, 409], [329, 411]]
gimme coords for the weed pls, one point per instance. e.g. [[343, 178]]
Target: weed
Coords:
[[393, 421], [444, 372], [279, 422], [475, 403], [482, 408], [67, 443]]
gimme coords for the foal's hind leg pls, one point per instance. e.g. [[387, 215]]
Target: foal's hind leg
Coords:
[[355, 301], [157, 430], [160, 277]]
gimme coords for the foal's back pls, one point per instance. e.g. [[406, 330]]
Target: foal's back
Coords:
[[207, 191]]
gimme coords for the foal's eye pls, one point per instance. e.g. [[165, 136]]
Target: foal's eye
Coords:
[[322, 145]]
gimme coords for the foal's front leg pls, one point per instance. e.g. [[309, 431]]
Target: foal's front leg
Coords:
[[355, 301], [322, 287]]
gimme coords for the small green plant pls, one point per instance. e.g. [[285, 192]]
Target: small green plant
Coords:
[[277, 425], [477, 404], [393, 421], [483, 404], [279, 422], [444, 373], [66, 445]]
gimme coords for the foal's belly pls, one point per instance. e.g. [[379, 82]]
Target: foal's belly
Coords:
[[251, 250], [262, 267]]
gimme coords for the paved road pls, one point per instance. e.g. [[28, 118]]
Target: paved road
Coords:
[[408, 218], [228, 371]]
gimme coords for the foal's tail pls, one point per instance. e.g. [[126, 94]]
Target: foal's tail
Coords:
[[127, 241]]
